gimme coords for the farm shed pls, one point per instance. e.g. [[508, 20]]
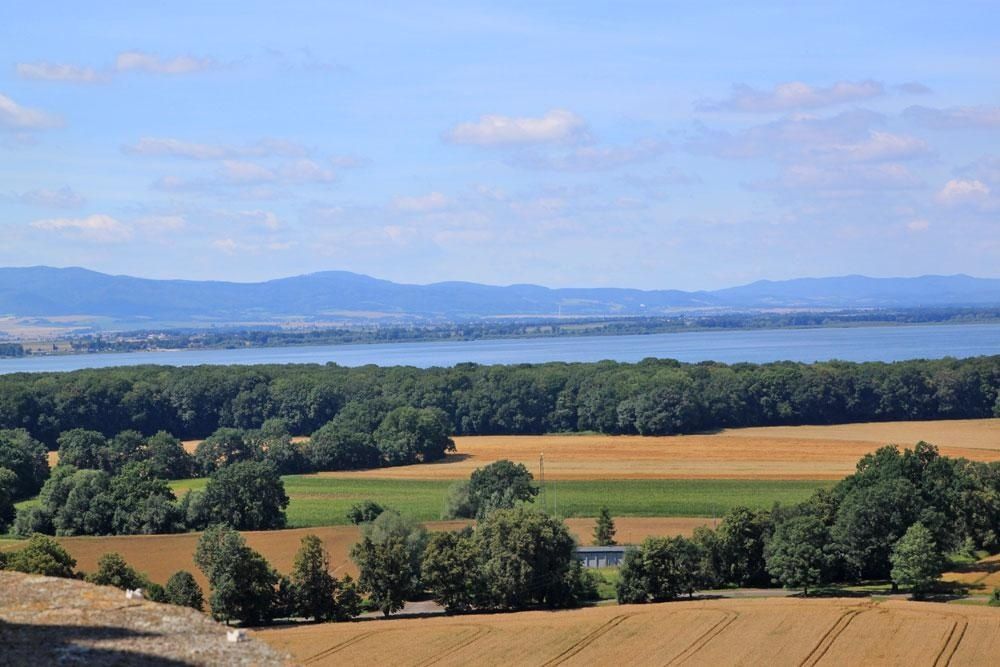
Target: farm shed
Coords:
[[600, 556]]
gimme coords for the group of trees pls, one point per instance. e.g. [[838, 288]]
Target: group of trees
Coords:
[[512, 559], [650, 397], [895, 518], [118, 485], [245, 588]]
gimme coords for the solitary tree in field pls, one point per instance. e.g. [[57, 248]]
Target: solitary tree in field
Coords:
[[795, 556], [916, 561], [604, 531]]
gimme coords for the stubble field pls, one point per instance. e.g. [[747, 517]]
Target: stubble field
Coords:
[[772, 631]]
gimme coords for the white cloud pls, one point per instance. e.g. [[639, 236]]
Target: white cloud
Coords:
[[841, 180], [266, 219], [13, 116], [307, 171], [793, 95], [64, 197], [228, 246], [433, 201], [594, 158], [914, 88], [789, 138], [919, 225], [158, 224], [169, 147], [558, 125], [955, 118], [43, 71], [241, 172], [877, 147], [140, 61], [98, 227], [959, 191]]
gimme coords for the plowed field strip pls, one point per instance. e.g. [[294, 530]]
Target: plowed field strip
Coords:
[[587, 640], [707, 636]]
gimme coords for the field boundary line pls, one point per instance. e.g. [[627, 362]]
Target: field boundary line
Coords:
[[325, 653], [586, 640], [478, 632], [829, 637], [727, 618], [945, 655]]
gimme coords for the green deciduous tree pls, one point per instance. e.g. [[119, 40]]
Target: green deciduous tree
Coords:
[[26, 457], [313, 586], [411, 435], [363, 512], [525, 558], [112, 570], [247, 496], [242, 582], [182, 589], [797, 553], [500, 485], [450, 569], [916, 561], [8, 487]]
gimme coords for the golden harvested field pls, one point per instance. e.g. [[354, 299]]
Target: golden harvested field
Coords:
[[982, 577], [794, 452], [159, 556], [772, 631]]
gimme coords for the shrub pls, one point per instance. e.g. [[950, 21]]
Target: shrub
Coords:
[[42, 555]]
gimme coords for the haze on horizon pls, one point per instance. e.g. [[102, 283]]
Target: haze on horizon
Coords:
[[632, 145]]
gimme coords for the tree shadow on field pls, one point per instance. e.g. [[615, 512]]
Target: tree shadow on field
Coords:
[[983, 568], [28, 644]]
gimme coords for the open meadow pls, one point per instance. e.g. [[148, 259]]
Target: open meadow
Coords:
[[832, 631]]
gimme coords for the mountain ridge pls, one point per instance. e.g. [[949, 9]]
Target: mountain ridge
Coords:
[[42, 291]]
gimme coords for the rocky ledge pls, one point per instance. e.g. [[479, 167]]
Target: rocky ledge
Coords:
[[47, 621]]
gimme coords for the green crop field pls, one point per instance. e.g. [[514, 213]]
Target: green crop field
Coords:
[[324, 501]]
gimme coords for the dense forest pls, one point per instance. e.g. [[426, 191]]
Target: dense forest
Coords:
[[650, 397]]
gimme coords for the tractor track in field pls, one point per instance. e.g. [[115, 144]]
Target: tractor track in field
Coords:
[[830, 636], [587, 640], [951, 643], [336, 648], [478, 632], [705, 637]]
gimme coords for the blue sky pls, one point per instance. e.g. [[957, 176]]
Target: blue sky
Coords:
[[653, 145]]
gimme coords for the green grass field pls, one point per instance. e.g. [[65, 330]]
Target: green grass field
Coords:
[[324, 501]]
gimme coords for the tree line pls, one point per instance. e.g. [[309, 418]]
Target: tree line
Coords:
[[652, 397], [896, 518]]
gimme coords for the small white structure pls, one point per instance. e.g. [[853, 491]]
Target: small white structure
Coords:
[[236, 635], [134, 594]]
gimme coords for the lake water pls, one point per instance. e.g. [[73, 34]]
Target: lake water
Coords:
[[849, 344]]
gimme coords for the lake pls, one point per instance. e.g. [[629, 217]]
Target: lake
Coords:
[[849, 344]]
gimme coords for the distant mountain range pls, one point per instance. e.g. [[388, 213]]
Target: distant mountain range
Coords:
[[332, 296]]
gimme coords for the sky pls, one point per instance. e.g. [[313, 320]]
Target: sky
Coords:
[[653, 145]]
